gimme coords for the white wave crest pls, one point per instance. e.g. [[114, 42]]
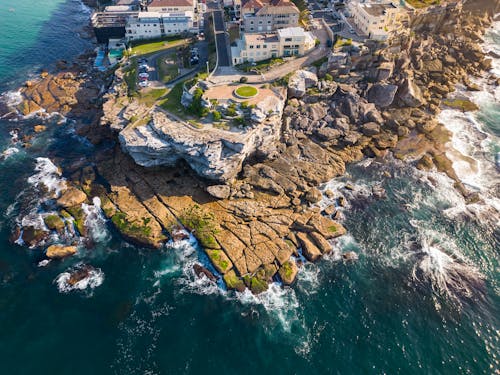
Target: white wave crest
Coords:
[[95, 220], [94, 277], [49, 176]]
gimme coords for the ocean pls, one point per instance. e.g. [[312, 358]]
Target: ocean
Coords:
[[423, 298]]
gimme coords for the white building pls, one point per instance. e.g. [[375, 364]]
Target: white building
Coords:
[[292, 41], [376, 19], [147, 25]]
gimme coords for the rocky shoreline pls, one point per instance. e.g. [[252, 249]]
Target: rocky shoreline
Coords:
[[254, 226]]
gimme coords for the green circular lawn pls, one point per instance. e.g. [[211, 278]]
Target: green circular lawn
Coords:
[[246, 91]]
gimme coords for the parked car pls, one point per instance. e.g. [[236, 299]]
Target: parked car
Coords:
[[143, 75], [144, 83], [143, 78], [144, 66]]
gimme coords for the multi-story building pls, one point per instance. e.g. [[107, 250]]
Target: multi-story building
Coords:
[[169, 6], [376, 19], [257, 16], [147, 25], [292, 41]]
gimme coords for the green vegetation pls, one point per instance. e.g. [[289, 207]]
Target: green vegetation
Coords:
[[464, 105], [233, 282], [172, 101], [283, 81], [151, 46], [219, 260], [341, 42], [260, 66], [246, 91], [131, 78], [332, 229], [150, 96], [320, 62], [422, 3], [79, 216], [255, 284], [196, 107], [131, 228], [216, 115], [231, 110], [54, 222], [328, 77], [167, 68], [202, 224], [287, 268]]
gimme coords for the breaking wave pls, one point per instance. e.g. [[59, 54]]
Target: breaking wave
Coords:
[[80, 278]]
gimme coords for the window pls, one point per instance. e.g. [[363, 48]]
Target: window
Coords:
[[251, 46], [288, 39], [258, 46]]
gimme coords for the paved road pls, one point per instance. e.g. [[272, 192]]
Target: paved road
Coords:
[[223, 49]]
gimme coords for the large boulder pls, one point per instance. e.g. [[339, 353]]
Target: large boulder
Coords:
[[59, 251], [72, 197], [409, 94], [381, 94], [219, 191], [299, 82], [370, 128]]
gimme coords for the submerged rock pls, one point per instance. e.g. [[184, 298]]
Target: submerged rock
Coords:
[[350, 256], [201, 271]]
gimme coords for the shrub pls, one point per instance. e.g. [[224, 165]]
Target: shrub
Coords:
[[328, 77], [216, 115], [243, 80]]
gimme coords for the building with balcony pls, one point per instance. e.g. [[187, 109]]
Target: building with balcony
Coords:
[[252, 47], [148, 25], [257, 16], [376, 19]]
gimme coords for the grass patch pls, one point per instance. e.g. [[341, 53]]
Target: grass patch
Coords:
[[219, 260], [150, 97], [147, 47], [167, 70], [172, 101], [341, 42], [131, 78], [246, 91]]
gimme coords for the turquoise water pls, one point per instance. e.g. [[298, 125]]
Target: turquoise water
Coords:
[[424, 297]]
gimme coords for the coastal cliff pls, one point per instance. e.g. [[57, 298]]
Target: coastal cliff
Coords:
[[257, 223]]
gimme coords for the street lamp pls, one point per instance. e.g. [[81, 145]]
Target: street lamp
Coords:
[[208, 69]]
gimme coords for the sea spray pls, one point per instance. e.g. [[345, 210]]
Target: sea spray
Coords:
[[95, 221], [47, 175]]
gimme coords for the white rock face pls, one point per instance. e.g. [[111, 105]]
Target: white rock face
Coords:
[[212, 153], [299, 82]]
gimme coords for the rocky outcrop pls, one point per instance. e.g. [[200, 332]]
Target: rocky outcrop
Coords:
[[59, 251], [72, 197], [382, 95], [212, 153], [299, 82]]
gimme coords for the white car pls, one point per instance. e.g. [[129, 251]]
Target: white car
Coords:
[[144, 84], [143, 75]]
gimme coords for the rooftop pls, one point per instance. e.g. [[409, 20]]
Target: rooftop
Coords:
[[291, 32], [156, 15], [377, 10], [170, 3], [261, 38]]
